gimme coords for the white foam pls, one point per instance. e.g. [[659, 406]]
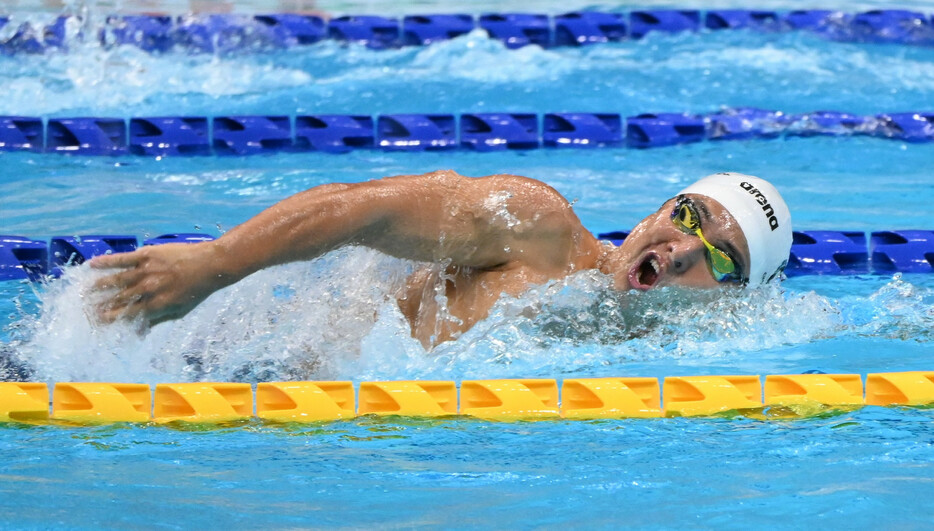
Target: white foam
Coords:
[[899, 310], [336, 317], [110, 80], [291, 321]]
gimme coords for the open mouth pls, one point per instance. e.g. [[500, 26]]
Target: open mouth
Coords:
[[645, 274]]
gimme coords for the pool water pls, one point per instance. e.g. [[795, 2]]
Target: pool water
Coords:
[[333, 318], [870, 468]]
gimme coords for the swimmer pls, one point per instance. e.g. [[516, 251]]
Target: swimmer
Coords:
[[491, 236]]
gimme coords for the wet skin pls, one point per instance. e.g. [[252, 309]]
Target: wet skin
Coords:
[[479, 237]]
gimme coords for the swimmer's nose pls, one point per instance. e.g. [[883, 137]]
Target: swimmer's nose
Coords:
[[685, 251]]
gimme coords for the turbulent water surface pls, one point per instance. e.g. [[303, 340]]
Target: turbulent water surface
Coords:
[[336, 317]]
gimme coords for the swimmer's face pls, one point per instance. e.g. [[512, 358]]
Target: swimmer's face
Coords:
[[659, 253]]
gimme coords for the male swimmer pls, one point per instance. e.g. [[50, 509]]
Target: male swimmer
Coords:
[[491, 236]]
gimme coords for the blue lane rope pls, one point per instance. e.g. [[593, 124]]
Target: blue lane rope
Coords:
[[239, 32], [247, 135], [820, 252]]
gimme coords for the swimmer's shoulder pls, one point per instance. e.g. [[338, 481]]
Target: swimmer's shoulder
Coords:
[[522, 191], [564, 244], [540, 210]]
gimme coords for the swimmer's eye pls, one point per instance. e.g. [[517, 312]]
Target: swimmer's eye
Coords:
[[722, 266]]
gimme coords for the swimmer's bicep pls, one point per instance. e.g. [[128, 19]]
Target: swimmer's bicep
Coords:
[[474, 222], [429, 232], [419, 217]]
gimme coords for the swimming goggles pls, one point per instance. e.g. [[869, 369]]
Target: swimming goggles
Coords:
[[721, 266]]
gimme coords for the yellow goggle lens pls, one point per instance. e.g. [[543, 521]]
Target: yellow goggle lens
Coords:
[[721, 265]]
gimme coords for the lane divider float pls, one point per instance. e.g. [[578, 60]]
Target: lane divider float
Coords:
[[794, 395], [226, 33], [484, 132]]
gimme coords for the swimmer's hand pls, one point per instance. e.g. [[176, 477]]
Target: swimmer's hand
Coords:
[[159, 283]]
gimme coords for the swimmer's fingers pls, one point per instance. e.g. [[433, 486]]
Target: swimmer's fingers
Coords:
[[126, 304], [114, 261], [140, 300], [128, 297], [156, 283], [121, 280], [113, 314]]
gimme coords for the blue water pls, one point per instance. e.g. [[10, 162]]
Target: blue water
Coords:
[[871, 467], [865, 469], [688, 72]]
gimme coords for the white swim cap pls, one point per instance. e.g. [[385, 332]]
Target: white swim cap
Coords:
[[762, 215]]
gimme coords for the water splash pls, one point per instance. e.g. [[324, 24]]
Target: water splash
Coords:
[[336, 318], [581, 327], [899, 310], [286, 322], [497, 204], [112, 80]]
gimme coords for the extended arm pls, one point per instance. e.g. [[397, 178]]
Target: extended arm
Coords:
[[483, 223]]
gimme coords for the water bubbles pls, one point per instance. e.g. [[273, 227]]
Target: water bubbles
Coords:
[[898, 310], [497, 204]]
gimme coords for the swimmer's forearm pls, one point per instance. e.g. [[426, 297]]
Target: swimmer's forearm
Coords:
[[294, 229], [312, 223]]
